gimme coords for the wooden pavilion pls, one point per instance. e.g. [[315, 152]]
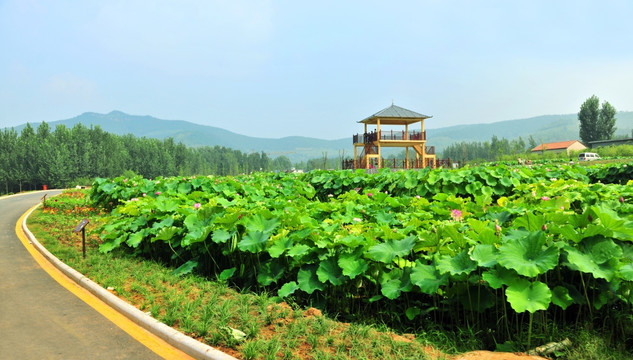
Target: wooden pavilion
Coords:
[[370, 143]]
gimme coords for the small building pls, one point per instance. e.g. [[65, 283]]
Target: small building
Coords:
[[612, 142], [368, 145], [559, 147]]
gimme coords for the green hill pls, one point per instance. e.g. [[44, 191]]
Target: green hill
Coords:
[[546, 128], [296, 148]]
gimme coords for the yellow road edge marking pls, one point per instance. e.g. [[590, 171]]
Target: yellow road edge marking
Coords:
[[151, 341]]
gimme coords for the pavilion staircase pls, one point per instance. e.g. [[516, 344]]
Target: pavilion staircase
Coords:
[[419, 150], [369, 149]]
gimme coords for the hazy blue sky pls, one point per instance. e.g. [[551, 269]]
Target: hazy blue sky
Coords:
[[280, 68]]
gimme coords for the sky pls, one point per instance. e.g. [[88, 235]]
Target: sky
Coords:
[[311, 68]]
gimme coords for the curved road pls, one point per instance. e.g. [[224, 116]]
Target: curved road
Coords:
[[39, 319]]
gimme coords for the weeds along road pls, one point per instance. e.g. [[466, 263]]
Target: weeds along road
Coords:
[[40, 319]]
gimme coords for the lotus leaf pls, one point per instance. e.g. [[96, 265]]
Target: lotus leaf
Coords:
[[585, 262], [298, 250], [166, 233], [395, 282], [308, 280], [253, 242], [330, 271], [287, 289], [185, 268], [526, 253], [279, 245], [456, 265], [603, 250], [259, 223], [499, 276], [220, 236], [352, 264], [561, 297], [412, 312], [626, 272], [524, 295], [226, 274], [427, 278], [385, 252], [530, 222], [270, 272], [136, 238]]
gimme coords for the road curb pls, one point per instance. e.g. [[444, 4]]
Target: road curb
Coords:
[[172, 336]]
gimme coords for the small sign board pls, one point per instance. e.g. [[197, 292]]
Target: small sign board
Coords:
[[81, 225]]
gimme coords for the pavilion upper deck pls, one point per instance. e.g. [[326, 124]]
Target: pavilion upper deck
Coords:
[[389, 135]]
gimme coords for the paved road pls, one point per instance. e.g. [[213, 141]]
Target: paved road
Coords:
[[39, 319]]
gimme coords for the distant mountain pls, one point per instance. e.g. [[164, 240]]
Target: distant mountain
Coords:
[[546, 128], [296, 148]]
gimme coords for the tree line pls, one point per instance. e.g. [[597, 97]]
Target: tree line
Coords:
[[492, 150], [66, 156]]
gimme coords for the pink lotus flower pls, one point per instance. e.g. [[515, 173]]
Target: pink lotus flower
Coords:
[[370, 194], [124, 180], [497, 228], [621, 199], [544, 227], [544, 198], [157, 193], [144, 194], [196, 206], [417, 196], [456, 215], [357, 219]]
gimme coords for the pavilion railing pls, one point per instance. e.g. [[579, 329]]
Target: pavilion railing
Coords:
[[400, 163], [388, 135], [402, 135]]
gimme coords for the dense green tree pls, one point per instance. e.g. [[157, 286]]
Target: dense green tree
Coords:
[[64, 156], [487, 151], [606, 121], [596, 123]]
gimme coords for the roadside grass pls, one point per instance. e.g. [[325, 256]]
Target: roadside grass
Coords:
[[257, 326], [244, 325]]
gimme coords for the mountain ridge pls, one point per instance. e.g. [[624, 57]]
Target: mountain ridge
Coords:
[[544, 128]]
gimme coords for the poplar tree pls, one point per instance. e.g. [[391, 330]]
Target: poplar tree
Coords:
[[596, 123]]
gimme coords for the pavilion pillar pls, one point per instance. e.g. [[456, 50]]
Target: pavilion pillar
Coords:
[[378, 138], [406, 158]]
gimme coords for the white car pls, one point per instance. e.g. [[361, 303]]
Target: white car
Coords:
[[588, 157]]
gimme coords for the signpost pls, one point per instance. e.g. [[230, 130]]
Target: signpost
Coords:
[[82, 227]]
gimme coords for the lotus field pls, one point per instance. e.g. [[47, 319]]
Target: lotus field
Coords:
[[508, 251]]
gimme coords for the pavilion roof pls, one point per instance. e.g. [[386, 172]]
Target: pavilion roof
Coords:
[[395, 115]]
